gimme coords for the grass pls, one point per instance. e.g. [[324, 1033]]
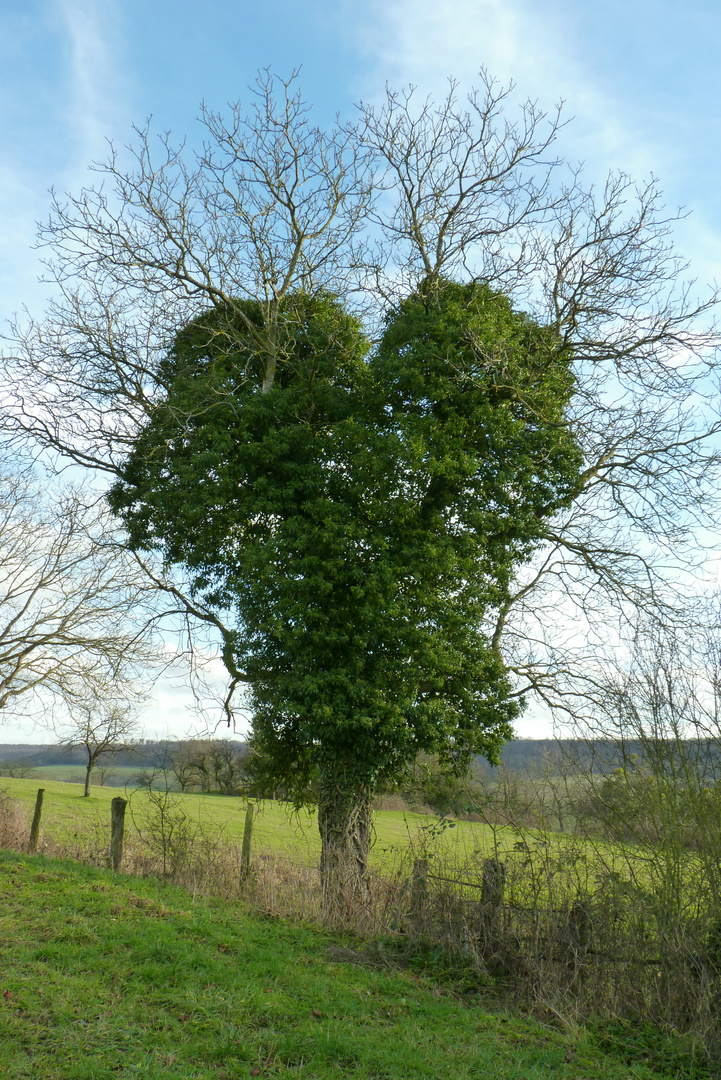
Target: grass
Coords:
[[278, 830], [109, 977], [75, 774]]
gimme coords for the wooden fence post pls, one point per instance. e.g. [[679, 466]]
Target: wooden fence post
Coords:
[[493, 884], [35, 827], [247, 837], [580, 929], [117, 829], [419, 892]]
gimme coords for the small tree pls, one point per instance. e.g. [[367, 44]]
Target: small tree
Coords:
[[103, 773], [19, 768], [101, 725], [227, 761], [178, 759]]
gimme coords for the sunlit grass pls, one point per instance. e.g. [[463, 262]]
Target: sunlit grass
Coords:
[[540, 866], [75, 774], [278, 828], [108, 977]]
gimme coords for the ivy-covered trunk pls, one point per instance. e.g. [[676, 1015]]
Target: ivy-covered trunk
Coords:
[[344, 821]]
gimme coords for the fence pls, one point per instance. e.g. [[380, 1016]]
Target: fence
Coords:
[[607, 949], [118, 809]]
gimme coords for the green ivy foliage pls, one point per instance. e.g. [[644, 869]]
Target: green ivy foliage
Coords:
[[363, 517]]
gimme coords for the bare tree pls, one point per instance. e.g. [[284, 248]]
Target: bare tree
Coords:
[[80, 615], [102, 724], [74, 610], [469, 192], [20, 768], [271, 206], [466, 190], [173, 759]]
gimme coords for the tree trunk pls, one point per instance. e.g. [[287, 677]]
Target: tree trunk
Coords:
[[88, 771], [344, 821]]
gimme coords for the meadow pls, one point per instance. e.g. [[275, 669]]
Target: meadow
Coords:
[[117, 775], [278, 828], [538, 862]]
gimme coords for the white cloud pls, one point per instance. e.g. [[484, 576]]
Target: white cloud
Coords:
[[536, 46], [423, 42], [96, 92]]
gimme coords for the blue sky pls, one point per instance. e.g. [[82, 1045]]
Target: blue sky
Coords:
[[642, 81]]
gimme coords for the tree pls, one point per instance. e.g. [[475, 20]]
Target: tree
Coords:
[[220, 765], [177, 759], [464, 195], [74, 610], [359, 519], [226, 303], [101, 725], [20, 768]]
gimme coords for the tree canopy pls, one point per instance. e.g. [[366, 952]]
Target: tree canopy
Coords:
[[362, 518]]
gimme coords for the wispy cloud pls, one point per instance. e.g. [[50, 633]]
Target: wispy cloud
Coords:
[[425, 41], [96, 93], [63, 92]]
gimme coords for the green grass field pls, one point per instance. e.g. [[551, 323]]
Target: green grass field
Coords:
[[107, 977], [278, 829], [75, 774]]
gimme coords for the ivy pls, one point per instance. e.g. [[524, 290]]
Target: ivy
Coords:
[[363, 517]]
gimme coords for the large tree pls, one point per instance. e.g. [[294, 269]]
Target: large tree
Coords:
[[207, 302], [360, 520]]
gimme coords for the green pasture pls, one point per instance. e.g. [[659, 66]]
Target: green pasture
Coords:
[[75, 774], [278, 828], [537, 864]]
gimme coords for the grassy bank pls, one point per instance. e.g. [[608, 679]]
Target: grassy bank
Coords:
[[577, 926], [113, 977]]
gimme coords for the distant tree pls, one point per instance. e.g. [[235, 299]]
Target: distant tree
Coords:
[[227, 766], [177, 759], [102, 725], [210, 764], [103, 773], [18, 768]]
